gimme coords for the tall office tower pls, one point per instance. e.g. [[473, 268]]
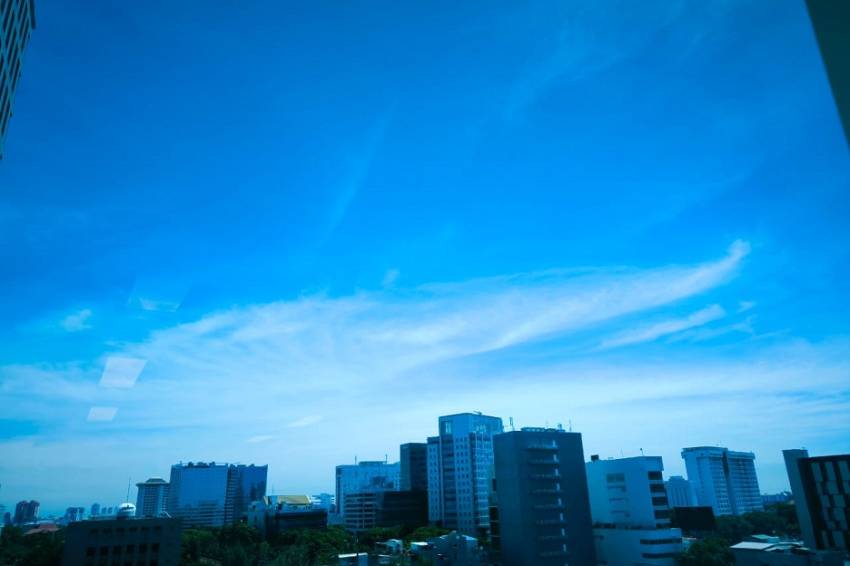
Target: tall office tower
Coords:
[[95, 510], [460, 466], [26, 512], [212, 495], [365, 477], [413, 459], [628, 492], [821, 488], [152, 497], [18, 20], [724, 480], [680, 492], [631, 512], [543, 511]]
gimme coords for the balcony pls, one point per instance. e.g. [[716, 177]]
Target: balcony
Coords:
[[545, 476]]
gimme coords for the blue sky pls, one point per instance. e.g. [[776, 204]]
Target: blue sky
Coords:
[[286, 234]]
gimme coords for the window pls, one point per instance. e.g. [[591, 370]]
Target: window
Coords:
[[614, 478]]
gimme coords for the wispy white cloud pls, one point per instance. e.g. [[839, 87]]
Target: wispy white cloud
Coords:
[[366, 356], [656, 330], [305, 421], [77, 321]]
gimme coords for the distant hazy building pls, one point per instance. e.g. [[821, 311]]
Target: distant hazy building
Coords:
[[73, 514], [413, 462], [26, 512], [152, 497], [16, 23], [213, 495], [775, 498], [370, 476], [123, 540], [95, 510], [724, 480], [274, 514], [680, 492], [460, 467], [821, 488], [542, 510]]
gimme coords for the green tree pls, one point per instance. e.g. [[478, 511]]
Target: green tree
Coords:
[[708, 552]]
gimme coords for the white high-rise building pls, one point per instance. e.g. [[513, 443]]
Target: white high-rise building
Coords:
[[631, 512], [723, 479], [152, 497], [680, 492], [628, 492], [460, 470]]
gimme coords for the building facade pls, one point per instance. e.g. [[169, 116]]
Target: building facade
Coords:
[[628, 492], [821, 488], [460, 467], [367, 510], [680, 492], [279, 513], [26, 512], [17, 20], [126, 541], [369, 476], [631, 512], [213, 495], [540, 493], [413, 462], [152, 497], [723, 479]]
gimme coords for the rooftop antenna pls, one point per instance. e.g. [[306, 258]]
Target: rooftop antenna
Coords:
[[355, 459], [386, 458], [128, 489], [511, 420], [571, 424], [641, 451]]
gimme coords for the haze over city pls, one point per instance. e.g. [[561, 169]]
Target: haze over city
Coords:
[[297, 235]]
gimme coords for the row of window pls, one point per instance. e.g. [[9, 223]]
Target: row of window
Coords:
[[118, 549]]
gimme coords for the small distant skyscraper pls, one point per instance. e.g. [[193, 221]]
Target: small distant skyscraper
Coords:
[[413, 459], [95, 510], [212, 495], [821, 488], [631, 512], [17, 20], [680, 492], [724, 480], [26, 512], [543, 511], [460, 467], [152, 497]]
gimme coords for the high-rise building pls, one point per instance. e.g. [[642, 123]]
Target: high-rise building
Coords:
[[73, 514], [680, 492], [95, 510], [212, 495], [152, 497], [821, 488], [369, 476], [413, 459], [542, 510], [460, 467], [724, 480], [18, 20], [26, 512], [631, 511]]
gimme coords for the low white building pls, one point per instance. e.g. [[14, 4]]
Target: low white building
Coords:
[[637, 547]]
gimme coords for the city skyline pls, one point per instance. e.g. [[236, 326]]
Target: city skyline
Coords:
[[250, 248]]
